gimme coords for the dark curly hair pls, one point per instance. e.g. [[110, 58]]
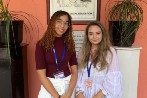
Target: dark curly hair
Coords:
[[48, 39]]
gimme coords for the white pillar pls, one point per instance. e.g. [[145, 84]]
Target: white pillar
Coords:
[[129, 65]]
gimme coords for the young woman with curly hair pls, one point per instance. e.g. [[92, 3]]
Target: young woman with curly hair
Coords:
[[55, 52], [99, 75]]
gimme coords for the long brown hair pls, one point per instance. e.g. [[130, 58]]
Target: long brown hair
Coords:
[[48, 39], [103, 48]]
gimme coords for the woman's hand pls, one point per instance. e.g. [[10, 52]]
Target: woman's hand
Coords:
[[66, 95], [80, 95], [99, 95]]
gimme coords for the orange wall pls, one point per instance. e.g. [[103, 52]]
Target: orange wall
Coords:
[[38, 9]]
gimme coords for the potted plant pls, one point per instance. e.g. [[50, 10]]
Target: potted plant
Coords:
[[13, 66], [125, 17], [12, 24], [7, 27]]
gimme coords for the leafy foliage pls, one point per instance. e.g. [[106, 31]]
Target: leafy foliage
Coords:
[[5, 16], [125, 11], [31, 23]]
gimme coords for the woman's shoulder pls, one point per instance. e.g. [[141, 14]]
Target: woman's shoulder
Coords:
[[38, 45], [112, 49], [111, 53]]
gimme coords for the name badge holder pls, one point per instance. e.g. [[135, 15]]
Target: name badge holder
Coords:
[[88, 82], [59, 74]]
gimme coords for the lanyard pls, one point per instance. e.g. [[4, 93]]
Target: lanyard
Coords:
[[88, 69], [55, 57]]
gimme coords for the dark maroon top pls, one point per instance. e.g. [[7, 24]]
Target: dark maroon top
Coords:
[[45, 59]]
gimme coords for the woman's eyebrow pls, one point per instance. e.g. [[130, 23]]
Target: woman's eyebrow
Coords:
[[90, 32], [63, 20]]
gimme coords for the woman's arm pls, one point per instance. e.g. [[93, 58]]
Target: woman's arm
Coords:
[[111, 86], [80, 94], [99, 95], [47, 83], [73, 81]]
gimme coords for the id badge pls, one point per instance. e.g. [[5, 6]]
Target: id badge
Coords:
[[59, 75], [88, 83]]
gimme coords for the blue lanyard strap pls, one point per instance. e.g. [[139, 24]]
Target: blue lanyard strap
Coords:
[[88, 69], [55, 56]]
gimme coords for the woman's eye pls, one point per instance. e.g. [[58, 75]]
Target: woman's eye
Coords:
[[90, 34]]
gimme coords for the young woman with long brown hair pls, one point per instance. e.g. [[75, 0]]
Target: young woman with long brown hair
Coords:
[[99, 75], [55, 52]]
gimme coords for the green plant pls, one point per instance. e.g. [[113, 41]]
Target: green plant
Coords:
[[5, 16], [30, 23], [129, 17]]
